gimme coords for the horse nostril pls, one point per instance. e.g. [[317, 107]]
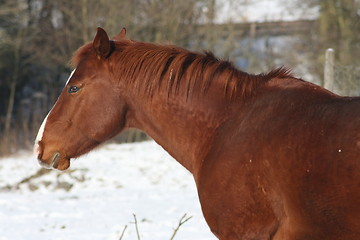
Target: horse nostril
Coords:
[[55, 159]]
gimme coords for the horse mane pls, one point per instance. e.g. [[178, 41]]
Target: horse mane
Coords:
[[149, 66]]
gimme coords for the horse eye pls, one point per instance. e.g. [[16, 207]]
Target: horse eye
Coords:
[[73, 89]]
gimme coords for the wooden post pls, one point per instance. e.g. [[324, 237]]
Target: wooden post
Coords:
[[329, 69]]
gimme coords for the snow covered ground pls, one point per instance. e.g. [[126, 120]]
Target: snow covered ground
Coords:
[[97, 197]]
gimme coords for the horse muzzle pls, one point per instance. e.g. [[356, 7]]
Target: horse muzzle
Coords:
[[56, 161]]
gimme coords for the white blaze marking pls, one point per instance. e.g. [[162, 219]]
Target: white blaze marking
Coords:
[[72, 73], [42, 127]]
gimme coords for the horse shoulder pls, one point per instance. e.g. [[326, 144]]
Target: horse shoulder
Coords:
[[233, 181]]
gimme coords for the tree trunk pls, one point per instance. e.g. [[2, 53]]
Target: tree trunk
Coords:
[[11, 101]]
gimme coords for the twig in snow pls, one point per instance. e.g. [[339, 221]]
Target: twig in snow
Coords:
[[136, 226], [122, 234], [181, 222]]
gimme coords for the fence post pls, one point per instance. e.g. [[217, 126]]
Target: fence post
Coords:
[[329, 69]]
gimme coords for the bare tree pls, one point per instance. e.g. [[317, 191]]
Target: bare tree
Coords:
[[13, 60]]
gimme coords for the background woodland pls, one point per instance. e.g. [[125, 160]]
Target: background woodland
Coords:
[[38, 37]]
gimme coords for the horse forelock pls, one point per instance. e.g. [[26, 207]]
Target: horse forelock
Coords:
[[148, 67], [80, 54]]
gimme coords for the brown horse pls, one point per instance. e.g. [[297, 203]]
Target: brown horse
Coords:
[[273, 156]]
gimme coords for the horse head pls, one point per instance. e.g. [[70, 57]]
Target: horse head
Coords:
[[89, 110]]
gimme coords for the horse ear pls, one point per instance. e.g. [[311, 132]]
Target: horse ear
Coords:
[[121, 35], [101, 43]]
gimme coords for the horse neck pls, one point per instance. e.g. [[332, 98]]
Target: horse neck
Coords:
[[179, 99], [183, 126]]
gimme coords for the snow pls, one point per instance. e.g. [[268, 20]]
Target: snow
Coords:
[[97, 197]]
